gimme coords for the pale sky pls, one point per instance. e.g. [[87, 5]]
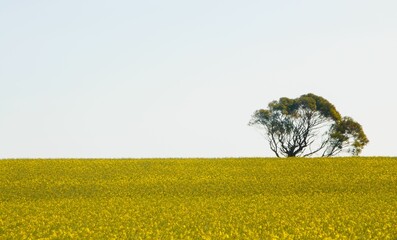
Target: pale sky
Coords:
[[182, 78]]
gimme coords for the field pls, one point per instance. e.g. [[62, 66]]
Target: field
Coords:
[[333, 198]]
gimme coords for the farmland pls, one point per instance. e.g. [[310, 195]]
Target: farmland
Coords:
[[240, 198]]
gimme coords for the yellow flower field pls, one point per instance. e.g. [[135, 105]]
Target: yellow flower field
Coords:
[[313, 198]]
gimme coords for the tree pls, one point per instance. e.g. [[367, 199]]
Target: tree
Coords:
[[308, 126]]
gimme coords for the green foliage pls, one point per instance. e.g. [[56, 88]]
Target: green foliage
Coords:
[[348, 134], [308, 125], [315, 198], [309, 102]]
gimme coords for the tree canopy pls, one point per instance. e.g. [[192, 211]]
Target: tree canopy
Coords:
[[308, 126]]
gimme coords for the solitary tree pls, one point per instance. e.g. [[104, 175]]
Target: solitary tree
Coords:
[[308, 126]]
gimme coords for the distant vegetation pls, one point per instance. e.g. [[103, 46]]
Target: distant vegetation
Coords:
[[308, 125], [298, 198]]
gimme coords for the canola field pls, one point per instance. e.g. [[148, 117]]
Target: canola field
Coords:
[[244, 198]]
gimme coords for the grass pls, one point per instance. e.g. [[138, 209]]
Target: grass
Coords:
[[331, 198]]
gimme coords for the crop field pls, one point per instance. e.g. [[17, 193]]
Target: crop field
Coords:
[[243, 198]]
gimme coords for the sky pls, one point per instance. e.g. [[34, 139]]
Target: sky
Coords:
[[140, 79]]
